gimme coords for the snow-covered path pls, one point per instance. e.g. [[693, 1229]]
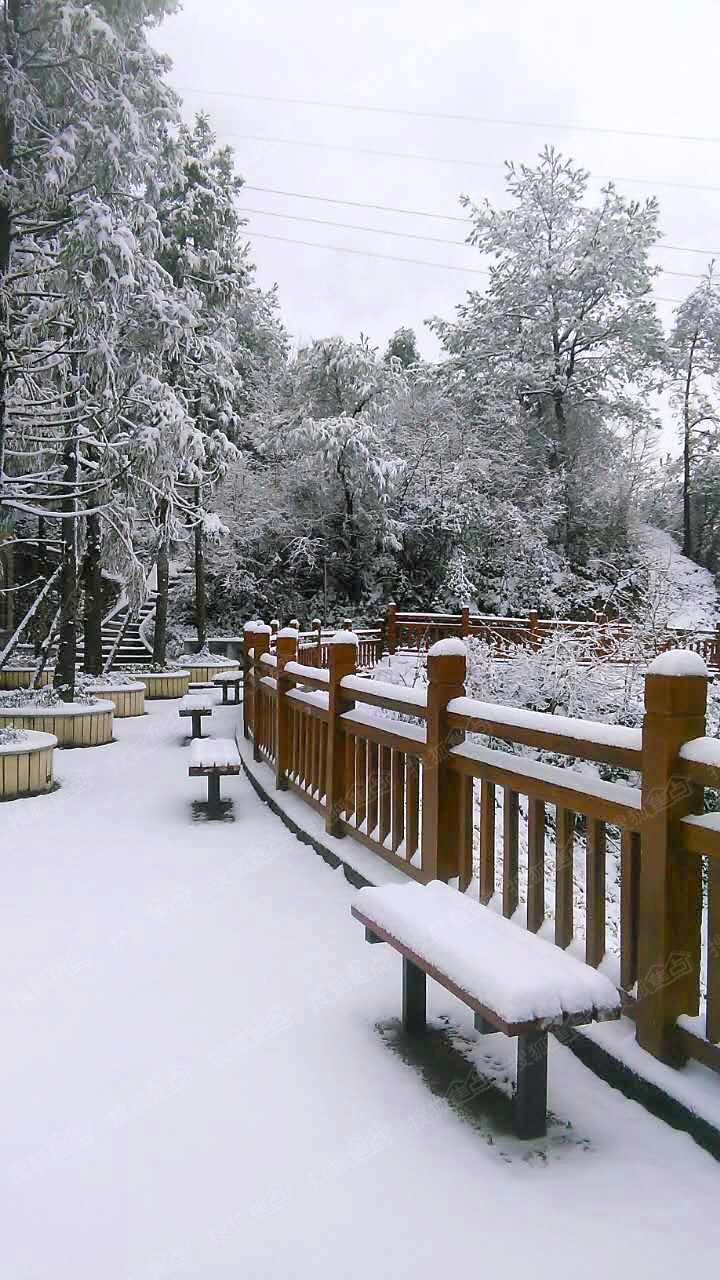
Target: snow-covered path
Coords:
[[193, 1083]]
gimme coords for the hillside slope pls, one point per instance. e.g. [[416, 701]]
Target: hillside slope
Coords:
[[682, 593]]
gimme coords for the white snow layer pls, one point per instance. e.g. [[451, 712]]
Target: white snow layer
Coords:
[[450, 646], [702, 751], [194, 1083], [514, 973], [211, 753], [678, 662], [607, 735], [393, 692], [682, 593]]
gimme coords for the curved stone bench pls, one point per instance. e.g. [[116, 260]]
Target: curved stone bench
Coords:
[[165, 684], [74, 724], [26, 766], [22, 677], [128, 699], [206, 674]]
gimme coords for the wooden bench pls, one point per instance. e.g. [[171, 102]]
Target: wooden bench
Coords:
[[214, 759], [514, 981], [195, 705], [228, 680]]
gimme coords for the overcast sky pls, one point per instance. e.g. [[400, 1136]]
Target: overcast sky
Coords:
[[635, 65]]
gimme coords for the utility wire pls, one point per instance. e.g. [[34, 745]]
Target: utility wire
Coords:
[[389, 257], [423, 213], [475, 164], [402, 235], [450, 115]]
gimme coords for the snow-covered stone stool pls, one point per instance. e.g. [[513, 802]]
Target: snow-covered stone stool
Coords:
[[214, 759], [229, 680], [196, 705], [514, 981]]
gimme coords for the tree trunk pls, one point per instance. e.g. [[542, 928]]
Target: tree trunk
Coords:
[[64, 680], [12, 14], [93, 657], [42, 569], [687, 546], [163, 578], [200, 591]]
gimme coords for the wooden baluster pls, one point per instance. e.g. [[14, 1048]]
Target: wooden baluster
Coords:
[[412, 807], [466, 808], [342, 655], [372, 787], [350, 804], [398, 799], [629, 883], [536, 864], [712, 1012], [595, 891], [384, 796], [510, 851], [487, 840], [360, 781], [304, 744], [564, 844], [323, 762]]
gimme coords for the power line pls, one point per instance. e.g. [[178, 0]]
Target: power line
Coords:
[[388, 257], [450, 115], [423, 213], [366, 253], [475, 164], [402, 235]]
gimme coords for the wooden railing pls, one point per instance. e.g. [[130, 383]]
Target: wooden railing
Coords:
[[403, 771], [606, 637]]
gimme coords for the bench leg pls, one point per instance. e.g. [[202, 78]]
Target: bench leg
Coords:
[[530, 1107], [225, 694], [413, 997], [196, 725], [213, 790]]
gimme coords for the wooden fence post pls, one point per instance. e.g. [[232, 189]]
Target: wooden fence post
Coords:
[[670, 890], [286, 650], [534, 629], [274, 626], [342, 659], [262, 645], [465, 620], [446, 796], [391, 627], [716, 648], [248, 645]]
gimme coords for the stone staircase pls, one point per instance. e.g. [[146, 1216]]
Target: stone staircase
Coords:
[[123, 631]]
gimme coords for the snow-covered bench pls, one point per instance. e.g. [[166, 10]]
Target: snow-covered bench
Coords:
[[214, 759], [227, 680], [196, 705], [514, 981]]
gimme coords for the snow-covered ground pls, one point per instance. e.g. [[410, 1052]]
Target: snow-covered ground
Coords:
[[682, 593], [194, 1083]]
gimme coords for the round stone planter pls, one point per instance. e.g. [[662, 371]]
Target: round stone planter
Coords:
[[26, 766], [127, 699], [207, 673], [74, 724], [165, 684], [22, 677]]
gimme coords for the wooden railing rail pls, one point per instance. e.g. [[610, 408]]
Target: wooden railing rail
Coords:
[[403, 772]]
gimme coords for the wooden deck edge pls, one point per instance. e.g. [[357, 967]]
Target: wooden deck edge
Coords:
[[638, 1088], [354, 877]]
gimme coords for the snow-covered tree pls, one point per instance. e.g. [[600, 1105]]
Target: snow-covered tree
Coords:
[[566, 333], [694, 351]]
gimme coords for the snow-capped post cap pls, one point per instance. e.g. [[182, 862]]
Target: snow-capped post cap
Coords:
[[294, 622], [451, 646], [263, 629], [678, 662], [316, 624], [287, 633], [344, 637]]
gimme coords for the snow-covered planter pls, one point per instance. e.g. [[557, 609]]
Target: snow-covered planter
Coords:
[[165, 684], [204, 666], [128, 697], [23, 677], [86, 722], [26, 763]]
